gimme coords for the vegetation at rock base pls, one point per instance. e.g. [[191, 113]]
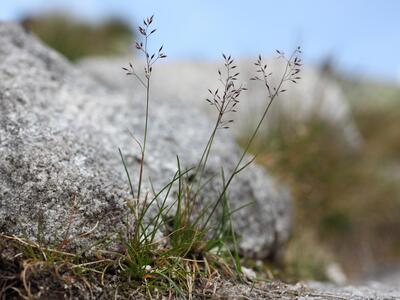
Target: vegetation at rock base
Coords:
[[198, 243]]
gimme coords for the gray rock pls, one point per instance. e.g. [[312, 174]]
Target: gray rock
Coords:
[[371, 290], [309, 291], [59, 137]]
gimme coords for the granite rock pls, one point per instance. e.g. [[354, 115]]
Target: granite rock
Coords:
[[60, 171]]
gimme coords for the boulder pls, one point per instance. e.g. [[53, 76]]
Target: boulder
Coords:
[[60, 171]]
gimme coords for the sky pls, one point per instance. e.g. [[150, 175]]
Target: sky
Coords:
[[361, 36]]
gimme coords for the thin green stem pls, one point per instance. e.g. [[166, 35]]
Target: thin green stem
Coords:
[[204, 157], [249, 143], [238, 164], [146, 118]]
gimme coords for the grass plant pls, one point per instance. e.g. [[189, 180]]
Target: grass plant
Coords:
[[177, 249]]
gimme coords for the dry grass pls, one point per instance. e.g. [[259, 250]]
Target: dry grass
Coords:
[[31, 271]]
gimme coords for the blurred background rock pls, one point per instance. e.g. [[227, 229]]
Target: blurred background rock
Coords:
[[347, 194]]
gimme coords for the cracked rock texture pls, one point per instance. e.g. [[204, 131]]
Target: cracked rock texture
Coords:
[[59, 137]]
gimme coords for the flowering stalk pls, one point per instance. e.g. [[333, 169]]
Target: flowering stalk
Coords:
[[290, 74], [151, 59]]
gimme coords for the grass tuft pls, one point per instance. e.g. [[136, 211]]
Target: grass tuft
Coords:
[[174, 243]]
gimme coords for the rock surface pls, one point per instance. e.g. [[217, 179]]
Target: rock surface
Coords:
[[311, 291], [307, 291], [315, 96], [60, 171], [371, 290]]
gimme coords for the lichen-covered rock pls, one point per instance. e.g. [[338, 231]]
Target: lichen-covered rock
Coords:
[[60, 171]]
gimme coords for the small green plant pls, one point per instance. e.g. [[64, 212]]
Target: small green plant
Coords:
[[189, 237], [174, 249]]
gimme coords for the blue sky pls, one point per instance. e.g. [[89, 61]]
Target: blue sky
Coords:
[[362, 36]]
